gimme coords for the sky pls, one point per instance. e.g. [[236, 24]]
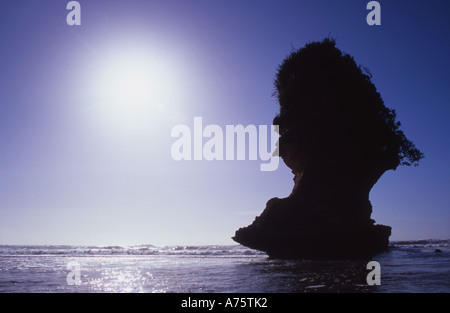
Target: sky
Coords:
[[79, 167]]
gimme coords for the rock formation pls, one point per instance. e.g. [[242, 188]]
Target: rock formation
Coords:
[[338, 138]]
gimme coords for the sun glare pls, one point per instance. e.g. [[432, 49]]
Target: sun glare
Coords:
[[132, 90]]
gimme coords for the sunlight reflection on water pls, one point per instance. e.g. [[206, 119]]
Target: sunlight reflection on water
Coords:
[[408, 268]]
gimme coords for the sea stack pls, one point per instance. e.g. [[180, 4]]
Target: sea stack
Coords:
[[338, 138]]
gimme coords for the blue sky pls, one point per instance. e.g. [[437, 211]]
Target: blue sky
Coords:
[[77, 169]]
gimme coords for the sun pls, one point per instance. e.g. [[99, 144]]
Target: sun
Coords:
[[133, 89], [133, 84]]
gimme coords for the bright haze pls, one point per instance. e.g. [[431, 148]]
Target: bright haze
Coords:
[[86, 114]]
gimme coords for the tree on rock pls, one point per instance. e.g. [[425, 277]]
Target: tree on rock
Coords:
[[327, 101]]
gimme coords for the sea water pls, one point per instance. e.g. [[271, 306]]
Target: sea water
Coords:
[[409, 266]]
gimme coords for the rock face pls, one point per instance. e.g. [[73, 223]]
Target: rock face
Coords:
[[338, 139], [327, 216], [319, 220]]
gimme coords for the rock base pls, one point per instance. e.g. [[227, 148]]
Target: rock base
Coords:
[[283, 232]]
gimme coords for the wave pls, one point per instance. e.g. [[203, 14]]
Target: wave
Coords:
[[231, 250], [205, 250], [426, 243]]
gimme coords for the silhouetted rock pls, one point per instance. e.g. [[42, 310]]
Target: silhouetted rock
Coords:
[[338, 138]]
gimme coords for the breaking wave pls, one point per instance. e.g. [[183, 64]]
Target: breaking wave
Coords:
[[212, 250]]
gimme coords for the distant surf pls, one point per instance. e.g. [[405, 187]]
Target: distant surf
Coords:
[[212, 250]]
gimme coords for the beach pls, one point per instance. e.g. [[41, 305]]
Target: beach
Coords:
[[409, 266]]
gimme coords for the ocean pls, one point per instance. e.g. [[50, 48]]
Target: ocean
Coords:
[[408, 266]]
